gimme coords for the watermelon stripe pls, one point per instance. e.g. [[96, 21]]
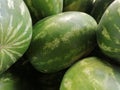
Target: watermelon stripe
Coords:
[[52, 45], [10, 27], [21, 36], [14, 32], [22, 8], [2, 35], [12, 58], [105, 33], [23, 41], [32, 8], [2, 59], [14, 52], [10, 4], [108, 48]]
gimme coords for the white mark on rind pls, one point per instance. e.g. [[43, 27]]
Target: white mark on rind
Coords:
[[14, 52], [52, 45], [10, 28], [68, 84], [11, 4], [15, 31], [1, 61], [108, 48], [1, 30], [22, 8], [105, 33]]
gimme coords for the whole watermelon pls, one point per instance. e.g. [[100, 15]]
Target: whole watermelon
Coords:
[[59, 40], [108, 34], [91, 73], [15, 31]]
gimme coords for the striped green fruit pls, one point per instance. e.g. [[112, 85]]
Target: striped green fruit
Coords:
[[108, 34], [91, 73], [43, 8], [99, 8], [15, 31], [61, 39], [77, 5]]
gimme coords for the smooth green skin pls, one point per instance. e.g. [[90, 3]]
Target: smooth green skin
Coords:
[[44, 8], [108, 34], [99, 8], [60, 40], [15, 32], [77, 5], [91, 73]]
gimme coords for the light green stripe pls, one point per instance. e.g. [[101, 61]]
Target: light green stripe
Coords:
[[23, 41], [105, 33], [13, 59], [14, 32], [14, 52]]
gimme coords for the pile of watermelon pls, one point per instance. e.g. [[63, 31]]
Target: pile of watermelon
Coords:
[[59, 44]]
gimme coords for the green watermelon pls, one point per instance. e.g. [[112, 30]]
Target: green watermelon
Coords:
[[8, 82], [59, 40], [91, 73], [43, 8], [77, 5], [99, 7], [15, 31], [108, 34]]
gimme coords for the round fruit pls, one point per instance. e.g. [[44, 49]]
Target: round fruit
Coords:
[[91, 73], [108, 34], [59, 40], [15, 31]]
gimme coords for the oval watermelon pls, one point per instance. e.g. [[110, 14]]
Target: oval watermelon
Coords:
[[91, 73], [60, 40], [108, 34], [15, 31]]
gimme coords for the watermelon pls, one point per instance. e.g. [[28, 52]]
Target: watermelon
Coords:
[[99, 7], [108, 34], [8, 82], [59, 40], [91, 73], [15, 32], [77, 5], [43, 8]]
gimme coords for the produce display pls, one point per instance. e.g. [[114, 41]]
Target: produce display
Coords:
[[59, 44]]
